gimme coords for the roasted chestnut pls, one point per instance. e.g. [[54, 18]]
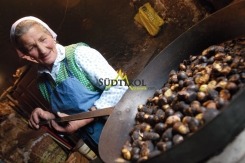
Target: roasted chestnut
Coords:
[[210, 114], [150, 136], [180, 128], [177, 139], [159, 116], [159, 128], [163, 146], [171, 120], [167, 135], [126, 151]]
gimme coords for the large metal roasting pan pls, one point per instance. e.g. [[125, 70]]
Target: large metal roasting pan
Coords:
[[225, 24]]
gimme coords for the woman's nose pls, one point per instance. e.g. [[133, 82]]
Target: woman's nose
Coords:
[[41, 48]]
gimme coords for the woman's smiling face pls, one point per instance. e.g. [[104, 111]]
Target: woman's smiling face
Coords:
[[39, 45]]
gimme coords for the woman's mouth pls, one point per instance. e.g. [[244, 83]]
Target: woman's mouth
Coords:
[[46, 56]]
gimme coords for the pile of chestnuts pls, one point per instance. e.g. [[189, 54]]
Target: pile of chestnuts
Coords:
[[193, 96]]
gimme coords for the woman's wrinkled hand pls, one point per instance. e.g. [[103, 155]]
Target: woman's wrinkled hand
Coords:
[[37, 115], [71, 126]]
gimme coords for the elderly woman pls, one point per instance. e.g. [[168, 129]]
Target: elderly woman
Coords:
[[68, 78]]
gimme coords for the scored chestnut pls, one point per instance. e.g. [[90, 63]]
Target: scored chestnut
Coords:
[[180, 128]]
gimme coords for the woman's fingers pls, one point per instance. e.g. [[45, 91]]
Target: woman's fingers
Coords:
[[71, 126], [30, 124], [33, 123], [37, 115], [47, 115], [57, 127]]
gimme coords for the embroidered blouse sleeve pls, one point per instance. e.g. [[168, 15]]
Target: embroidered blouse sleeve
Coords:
[[97, 70]]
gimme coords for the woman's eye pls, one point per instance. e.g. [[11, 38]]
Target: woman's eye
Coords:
[[31, 48]]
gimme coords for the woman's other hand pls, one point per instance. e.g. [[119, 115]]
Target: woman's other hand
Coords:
[[37, 115], [71, 126]]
